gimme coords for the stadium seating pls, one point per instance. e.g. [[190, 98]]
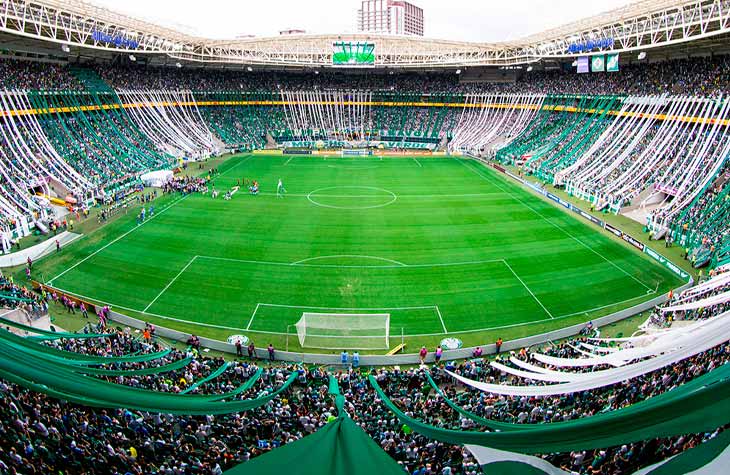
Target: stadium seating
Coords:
[[59, 435], [93, 147]]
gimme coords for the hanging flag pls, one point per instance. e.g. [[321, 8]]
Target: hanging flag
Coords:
[[598, 63], [583, 64], [612, 62]]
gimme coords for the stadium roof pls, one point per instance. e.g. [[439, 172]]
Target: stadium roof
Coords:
[[639, 26]]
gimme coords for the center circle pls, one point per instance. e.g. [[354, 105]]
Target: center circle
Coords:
[[368, 199]]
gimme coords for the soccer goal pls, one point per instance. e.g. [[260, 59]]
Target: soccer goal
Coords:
[[345, 331]]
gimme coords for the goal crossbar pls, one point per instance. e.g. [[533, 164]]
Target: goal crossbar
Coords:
[[363, 331]]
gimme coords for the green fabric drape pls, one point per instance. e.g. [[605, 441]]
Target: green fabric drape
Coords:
[[175, 365], [698, 406], [241, 389], [31, 367], [493, 425], [47, 334], [340, 447], [334, 391], [212, 375], [696, 458], [77, 358]]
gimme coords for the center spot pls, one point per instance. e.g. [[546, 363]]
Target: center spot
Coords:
[[351, 197]]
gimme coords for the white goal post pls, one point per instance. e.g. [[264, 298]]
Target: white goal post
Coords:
[[344, 331]]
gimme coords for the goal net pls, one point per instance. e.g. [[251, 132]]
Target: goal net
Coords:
[[345, 331]]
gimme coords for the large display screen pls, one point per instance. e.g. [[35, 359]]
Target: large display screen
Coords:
[[353, 54]]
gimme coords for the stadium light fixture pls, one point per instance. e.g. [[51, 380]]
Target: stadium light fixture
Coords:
[[316, 72], [249, 69], [642, 55], [458, 71], [178, 65], [574, 63], [65, 49], [132, 57], [529, 68]]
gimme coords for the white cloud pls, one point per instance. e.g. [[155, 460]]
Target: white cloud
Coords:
[[471, 20]]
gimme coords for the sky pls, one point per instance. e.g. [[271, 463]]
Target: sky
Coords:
[[467, 20]]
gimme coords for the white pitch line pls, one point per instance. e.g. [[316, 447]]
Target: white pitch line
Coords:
[[135, 228], [397, 263], [416, 160], [560, 228], [156, 315], [287, 162], [336, 266], [170, 283], [438, 312], [432, 196], [223, 327], [527, 288], [117, 239], [422, 307], [250, 321]]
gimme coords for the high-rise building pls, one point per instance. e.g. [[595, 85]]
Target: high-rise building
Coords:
[[393, 17]]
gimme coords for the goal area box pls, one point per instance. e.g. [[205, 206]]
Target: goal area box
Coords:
[[345, 331]]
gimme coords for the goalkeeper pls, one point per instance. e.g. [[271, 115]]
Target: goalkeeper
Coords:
[[280, 190]]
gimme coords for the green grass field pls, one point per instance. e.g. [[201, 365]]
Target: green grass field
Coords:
[[444, 245]]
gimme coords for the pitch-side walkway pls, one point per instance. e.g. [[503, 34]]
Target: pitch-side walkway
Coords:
[[39, 250]]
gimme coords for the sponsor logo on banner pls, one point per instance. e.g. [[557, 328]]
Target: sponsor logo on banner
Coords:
[[615, 231], [632, 241], [589, 45], [598, 64], [498, 168], [612, 63], [590, 218], [553, 197], [665, 262], [583, 64]]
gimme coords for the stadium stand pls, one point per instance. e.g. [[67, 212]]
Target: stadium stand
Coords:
[[46, 435]]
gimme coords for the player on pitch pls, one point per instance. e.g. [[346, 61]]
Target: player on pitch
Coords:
[[280, 190]]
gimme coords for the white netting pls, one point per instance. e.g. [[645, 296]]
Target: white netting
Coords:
[[345, 331]]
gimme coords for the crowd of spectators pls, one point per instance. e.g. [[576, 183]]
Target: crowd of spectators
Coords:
[[186, 185], [34, 75], [692, 76], [39, 434]]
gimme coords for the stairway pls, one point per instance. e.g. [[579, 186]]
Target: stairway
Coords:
[[90, 79]]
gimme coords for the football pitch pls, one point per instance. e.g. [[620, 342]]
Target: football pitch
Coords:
[[446, 246]]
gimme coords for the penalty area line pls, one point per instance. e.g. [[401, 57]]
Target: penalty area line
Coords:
[[557, 226], [250, 321], [50, 282], [527, 288], [441, 319], [170, 283], [412, 335]]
